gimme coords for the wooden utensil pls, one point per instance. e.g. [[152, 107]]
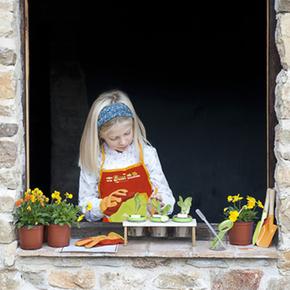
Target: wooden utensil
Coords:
[[264, 215], [268, 230]]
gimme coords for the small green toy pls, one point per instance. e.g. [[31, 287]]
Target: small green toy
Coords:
[[185, 205]]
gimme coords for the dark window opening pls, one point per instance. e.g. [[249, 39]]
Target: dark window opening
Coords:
[[196, 76]]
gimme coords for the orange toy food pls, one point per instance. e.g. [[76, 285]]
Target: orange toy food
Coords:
[[111, 239]]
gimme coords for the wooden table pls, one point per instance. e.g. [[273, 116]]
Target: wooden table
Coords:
[[150, 224]]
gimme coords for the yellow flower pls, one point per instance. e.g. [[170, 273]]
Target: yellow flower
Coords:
[[225, 209], [259, 203], [251, 202], [80, 218], [32, 198], [55, 195], [89, 206], [233, 215], [68, 195], [237, 198], [29, 208], [230, 198]]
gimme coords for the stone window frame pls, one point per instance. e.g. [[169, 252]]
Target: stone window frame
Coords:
[[273, 67]]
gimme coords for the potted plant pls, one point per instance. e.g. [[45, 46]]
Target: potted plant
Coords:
[[62, 215], [30, 217], [185, 205], [243, 217]]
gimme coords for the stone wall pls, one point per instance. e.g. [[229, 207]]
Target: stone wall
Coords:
[[129, 273], [12, 154], [282, 140]]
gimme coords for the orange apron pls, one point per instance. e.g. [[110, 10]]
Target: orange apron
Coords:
[[134, 178]]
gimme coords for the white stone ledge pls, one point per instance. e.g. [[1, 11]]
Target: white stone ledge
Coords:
[[162, 249]]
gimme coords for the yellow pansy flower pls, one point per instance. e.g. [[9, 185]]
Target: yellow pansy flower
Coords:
[[230, 198], [259, 203], [32, 198], [89, 206], [68, 195], [233, 216], [237, 198], [80, 218], [251, 202]]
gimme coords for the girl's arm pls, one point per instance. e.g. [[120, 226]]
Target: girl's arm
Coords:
[[157, 176], [89, 196]]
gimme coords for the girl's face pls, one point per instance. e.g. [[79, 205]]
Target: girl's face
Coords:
[[119, 136]]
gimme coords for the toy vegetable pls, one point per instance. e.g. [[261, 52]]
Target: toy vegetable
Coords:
[[159, 214], [184, 205], [139, 208]]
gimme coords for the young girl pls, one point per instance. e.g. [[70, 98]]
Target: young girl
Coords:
[[117, 161]]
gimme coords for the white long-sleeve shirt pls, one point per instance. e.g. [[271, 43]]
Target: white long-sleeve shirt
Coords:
[[88, 183]]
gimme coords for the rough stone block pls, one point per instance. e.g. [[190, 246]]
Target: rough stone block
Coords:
[[85, 279], [9, 254], [7, 229], [282, 174], [284, 214], [282, 36], [10, 178], [178, 281], [7, 199], [129, 281], [279, 284], [6, 23], [282, 92], [236, 279], [282, 6], [8, 154], [9, 280], [149, 262], [38, 280], [7, 56], [8, 130], [7, 83]]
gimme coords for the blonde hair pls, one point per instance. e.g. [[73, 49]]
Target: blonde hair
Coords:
[[91, 142]]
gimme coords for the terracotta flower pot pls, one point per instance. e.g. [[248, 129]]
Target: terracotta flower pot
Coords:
[[241, 233], [31, 239], [58, 236]]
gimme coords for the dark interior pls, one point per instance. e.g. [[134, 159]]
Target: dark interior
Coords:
[[195, 73]]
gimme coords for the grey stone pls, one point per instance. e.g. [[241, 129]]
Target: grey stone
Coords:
[[7, 111], [7, 200], [8, 154], [10, 178], [8, 130], [9, 280], [7, 56], [7, 229], [9, 254], [150, 262], [36, 279], [279, 284], [120, 281], [6, 23], [282, 5], [282, 36], [178, 281]]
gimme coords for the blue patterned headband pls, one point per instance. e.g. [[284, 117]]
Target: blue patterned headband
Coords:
[[112, 111]]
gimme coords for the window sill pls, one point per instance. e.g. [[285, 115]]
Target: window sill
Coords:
[[163, 249]]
